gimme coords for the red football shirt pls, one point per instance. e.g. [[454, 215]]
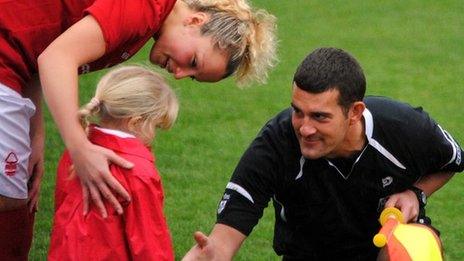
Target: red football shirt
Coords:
[[141, 233], [27, 27]]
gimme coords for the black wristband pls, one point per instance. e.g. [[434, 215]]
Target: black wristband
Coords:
[[421, 197]]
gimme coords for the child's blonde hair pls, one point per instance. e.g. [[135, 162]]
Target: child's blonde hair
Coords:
[[133, 92], [247, 35]]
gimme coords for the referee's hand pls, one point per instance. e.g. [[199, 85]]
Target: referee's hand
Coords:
[[203, 250], [221, 245], [202, 239], [407, 203]]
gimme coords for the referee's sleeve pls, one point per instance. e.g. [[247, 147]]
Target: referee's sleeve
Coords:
[[448, 151], [441, 151], [252, 184]]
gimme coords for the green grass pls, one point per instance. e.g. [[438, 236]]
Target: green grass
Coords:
[[410, 50]]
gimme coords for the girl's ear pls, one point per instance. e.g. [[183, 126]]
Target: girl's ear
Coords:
[[134, 123]]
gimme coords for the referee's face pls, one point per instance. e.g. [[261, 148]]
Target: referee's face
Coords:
[[319, 122]]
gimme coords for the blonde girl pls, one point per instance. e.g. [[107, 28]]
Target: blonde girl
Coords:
[[130, 103]]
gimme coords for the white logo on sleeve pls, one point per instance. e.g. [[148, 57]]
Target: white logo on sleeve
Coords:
[[458, 157], [223, 203], [387, 181]]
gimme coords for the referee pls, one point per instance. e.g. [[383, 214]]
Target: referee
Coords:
[[330, 164]]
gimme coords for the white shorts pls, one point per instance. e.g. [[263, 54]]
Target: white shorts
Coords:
[[15, 148]]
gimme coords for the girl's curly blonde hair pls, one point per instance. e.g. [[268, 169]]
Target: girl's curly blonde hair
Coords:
[[247, 35]]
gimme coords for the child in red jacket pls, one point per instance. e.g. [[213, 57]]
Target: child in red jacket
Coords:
[[130, 103]]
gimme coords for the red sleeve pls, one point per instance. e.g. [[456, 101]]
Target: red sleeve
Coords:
[[146, 229], [124, 21]]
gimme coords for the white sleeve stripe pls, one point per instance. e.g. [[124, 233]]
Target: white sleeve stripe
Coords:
[[240, 190], [385, 152], [453, 143], [282, 211]]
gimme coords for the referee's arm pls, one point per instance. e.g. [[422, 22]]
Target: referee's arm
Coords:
[[433, 182], [407, 200], [222, 244]]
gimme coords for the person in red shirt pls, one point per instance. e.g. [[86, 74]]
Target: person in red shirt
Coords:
[[130, 103], [58, 39]]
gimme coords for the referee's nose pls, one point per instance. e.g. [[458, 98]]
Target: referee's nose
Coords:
[[307, 127]]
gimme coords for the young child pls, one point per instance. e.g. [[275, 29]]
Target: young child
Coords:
[[130, 103]]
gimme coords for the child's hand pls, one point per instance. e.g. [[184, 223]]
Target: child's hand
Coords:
[[91, 166]]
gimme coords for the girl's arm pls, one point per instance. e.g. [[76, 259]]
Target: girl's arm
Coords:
[[58, 69]]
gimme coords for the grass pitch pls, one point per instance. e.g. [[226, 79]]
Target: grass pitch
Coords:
[[410, 50]]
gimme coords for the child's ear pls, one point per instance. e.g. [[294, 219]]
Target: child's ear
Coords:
[[134, 123]]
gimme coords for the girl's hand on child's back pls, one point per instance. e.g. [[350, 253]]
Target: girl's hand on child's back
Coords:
[[91, 166]]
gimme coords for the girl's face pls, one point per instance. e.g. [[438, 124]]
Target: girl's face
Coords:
[[184, 52]]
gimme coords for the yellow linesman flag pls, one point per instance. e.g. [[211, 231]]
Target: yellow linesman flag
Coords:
[[406, 242]]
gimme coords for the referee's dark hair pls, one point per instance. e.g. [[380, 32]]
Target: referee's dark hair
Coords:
[[331, 68]]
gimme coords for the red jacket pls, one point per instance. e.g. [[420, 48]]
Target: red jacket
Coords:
[[141, 233]]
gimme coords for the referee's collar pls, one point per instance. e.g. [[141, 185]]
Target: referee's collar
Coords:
[[369, 126], [368, 123]]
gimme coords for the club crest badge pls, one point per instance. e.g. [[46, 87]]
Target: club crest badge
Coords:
[[11, 164], [387, 181]]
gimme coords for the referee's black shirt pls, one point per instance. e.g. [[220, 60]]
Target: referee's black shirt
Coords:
[[329, 209]]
